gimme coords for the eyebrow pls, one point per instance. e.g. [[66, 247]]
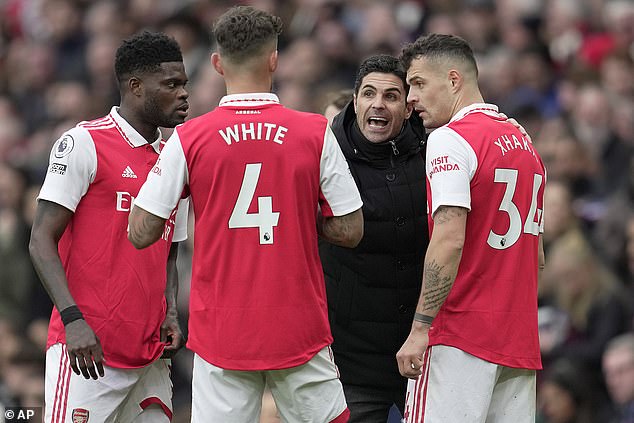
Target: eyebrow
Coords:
[[398, 90], [413, 78]]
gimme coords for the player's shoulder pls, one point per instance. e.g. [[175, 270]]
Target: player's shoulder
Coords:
[[77, 137], [206, 120], [442, 133], [309, 116]]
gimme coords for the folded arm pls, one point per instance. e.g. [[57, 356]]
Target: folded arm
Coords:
[[145, 228], [344, 231]]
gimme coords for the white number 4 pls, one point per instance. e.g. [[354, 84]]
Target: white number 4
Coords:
[[531, 226], [265, 219]]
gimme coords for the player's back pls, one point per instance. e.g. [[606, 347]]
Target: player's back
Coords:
[[492, 307], [254, 179]]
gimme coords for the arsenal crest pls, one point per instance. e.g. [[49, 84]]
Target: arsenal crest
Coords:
[[80, 415]]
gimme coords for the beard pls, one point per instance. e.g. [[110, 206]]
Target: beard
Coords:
[[157, 116]]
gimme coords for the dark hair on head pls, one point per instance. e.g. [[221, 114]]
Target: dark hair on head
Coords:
[[439, 46], [382, 63], [244, 31], [144, 52]]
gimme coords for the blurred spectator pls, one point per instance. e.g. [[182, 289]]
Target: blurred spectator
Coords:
[[565, 395], [335, 102], [592, 299], [618, 370], [16, 271]]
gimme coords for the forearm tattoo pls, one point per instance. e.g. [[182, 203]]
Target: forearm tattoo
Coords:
[[338, 230], [444, 214], [149, 229], [437, 287]]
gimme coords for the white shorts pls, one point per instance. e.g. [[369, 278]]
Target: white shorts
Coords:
[[456, 387], [311, 392], [121, 396]]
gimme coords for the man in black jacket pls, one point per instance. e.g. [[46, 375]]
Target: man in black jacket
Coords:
[[373, 288]]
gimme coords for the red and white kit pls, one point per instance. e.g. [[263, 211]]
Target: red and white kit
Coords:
[[96, 170], [256, 172], [481, 162]]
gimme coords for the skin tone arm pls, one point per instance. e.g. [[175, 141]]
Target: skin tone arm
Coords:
[[344, 231], [145, 228], [82, 345], [171, 332], [439, 273]]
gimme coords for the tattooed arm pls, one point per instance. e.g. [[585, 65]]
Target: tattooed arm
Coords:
[[344, 231], [439, 273], [145, 228]]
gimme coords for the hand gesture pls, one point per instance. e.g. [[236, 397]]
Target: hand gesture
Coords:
[[518, 126], [410, 356], [172, 335], [84, 349]]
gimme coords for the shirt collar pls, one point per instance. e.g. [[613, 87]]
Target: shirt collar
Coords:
[[130, 134], [249, 99], [486, 108]]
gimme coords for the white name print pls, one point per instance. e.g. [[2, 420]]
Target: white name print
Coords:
[[253, 131], [510, 142]]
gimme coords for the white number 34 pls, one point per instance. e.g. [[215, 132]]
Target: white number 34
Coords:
[[533, 218], [265, 219]]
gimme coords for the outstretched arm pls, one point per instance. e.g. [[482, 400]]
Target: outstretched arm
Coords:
[[145, 228], [344, 231], [439, 273], [83, 346]]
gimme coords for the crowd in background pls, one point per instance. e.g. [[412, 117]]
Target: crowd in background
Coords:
[[562, 68]]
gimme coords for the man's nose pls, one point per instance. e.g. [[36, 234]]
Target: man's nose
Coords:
[[411, 97]]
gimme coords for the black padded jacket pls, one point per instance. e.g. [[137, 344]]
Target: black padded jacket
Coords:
[[373, 288]]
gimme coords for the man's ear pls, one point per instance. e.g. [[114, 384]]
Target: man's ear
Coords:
[[354, 102], [455, 79], [273, 60], [216, 62], [135, 85]]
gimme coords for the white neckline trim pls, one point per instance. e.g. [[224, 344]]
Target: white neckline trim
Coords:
[[486, 108], [130, 134], [249, 99]]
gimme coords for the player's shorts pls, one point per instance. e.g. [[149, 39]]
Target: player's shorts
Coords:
[[456, 387], [121, 396], [310, 392]]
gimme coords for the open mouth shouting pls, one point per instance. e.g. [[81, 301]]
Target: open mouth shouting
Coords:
[[378, 123]]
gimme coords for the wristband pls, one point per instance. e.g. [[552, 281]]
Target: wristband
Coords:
[[70, 314], [423, 318]]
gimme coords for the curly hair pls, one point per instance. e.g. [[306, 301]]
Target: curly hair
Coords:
[[244, 31], [144, 52], [382, 63], [439, 46]]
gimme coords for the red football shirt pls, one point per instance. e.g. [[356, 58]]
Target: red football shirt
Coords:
[[96, 170], [481, 162], [257, 173]]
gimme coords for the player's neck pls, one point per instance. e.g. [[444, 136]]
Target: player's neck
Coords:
[[467, 98], [249, 84], [147, 130]]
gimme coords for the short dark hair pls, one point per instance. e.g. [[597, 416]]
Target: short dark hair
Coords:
[[144, 52], [382, 63], [437, 46], [243, 31]]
